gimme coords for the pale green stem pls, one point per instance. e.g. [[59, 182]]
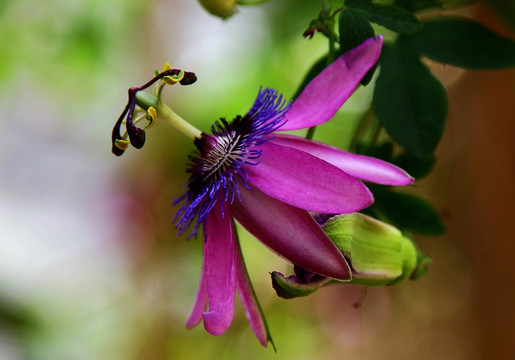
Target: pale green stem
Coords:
[[164, 113]]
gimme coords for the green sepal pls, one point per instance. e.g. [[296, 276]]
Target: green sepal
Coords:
[[146, 100], [292, 287], [421, 268], [379, 254]]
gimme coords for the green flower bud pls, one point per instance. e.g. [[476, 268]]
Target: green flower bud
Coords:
[[220, 8], [379, 254]]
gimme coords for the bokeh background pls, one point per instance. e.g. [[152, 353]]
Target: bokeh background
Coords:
[[90, 264]]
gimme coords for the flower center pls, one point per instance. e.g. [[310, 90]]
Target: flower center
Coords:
[[218, 167], [226, 152]]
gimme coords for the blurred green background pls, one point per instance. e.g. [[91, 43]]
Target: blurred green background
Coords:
[[90, 265]]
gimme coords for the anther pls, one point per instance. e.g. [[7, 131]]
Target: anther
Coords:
[[173, 79], [151, 116], [121, 144]]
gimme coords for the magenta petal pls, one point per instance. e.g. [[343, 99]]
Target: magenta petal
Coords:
[[290, 232], [248, 298], [220, 271], [199, 306], [359, 166], [303, 180], [327, 92]]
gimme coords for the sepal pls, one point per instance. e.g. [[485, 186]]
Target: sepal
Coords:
[[303, 283]]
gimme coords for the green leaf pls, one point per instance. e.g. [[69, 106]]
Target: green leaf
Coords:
[[354, 29], [383, 151], [392, 17], [462, 42], [415, 166], [409, 101], [417, 5], [407, 212]]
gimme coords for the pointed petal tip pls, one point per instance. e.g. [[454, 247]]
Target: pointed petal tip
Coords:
[[358, 166], [401, 178], [410, 179], [251, 306], [263, 342], [328, 91], [291, 233]]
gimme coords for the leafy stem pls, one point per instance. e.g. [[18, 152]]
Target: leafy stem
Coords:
[[328, 21]]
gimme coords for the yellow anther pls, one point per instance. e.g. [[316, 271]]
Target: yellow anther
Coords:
[[174, 79], [166, 66], [121, 144], [152, 116]]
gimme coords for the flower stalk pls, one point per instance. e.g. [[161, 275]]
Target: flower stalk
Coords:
[[164, 113]]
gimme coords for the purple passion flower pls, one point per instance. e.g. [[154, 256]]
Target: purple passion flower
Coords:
[[268, 182]]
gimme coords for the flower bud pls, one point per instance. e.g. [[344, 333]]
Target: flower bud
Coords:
[[220, 8], [378, 253]]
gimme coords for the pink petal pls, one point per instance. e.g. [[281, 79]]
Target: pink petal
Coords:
[[327, 92], [290, 232], [220, 270], [248, 298], [199, 306], [359, 166], [303, 180]]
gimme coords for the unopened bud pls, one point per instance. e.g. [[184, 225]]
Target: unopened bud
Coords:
[[220, 8], [379, 254]]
